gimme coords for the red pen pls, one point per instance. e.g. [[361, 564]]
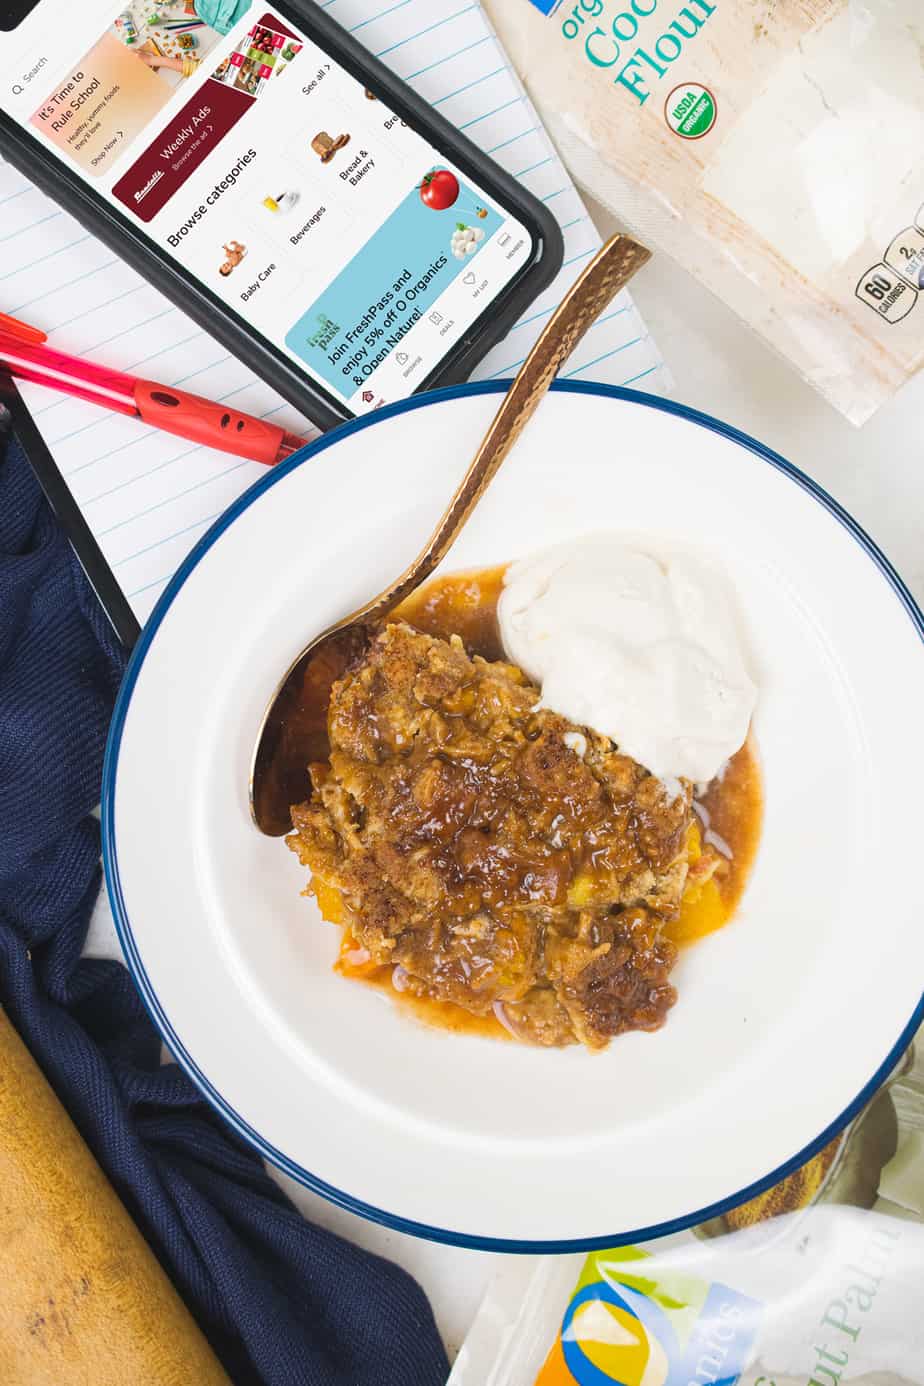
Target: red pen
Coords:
[[24, 354], [14, 328]]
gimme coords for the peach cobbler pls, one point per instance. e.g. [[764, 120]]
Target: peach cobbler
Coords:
[[489, 858]]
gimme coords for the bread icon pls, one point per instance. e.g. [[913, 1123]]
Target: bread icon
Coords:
[[325, 147]]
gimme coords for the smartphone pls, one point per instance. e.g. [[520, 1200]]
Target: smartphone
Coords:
[[278, 183]]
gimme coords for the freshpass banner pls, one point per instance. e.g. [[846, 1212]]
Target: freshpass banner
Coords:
[[363, 316]]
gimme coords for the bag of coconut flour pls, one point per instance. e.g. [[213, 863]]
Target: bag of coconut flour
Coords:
[[774, 147], [817, 1282]]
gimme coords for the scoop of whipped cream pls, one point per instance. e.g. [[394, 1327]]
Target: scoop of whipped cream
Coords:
[[645, 650]]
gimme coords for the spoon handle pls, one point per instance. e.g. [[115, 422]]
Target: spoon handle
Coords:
[[609, 271]]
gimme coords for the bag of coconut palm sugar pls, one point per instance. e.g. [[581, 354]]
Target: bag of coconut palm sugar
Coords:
[[819, 1281], [775, 148]]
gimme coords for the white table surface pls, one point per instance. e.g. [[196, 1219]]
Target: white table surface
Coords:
[[876, 472]]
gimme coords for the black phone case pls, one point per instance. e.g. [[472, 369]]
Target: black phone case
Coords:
[[66, 187], [69, 515]]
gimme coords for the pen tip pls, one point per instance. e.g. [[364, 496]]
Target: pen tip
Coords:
[[22, 330], [290, 443]]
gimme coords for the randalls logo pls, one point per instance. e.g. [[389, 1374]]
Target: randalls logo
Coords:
[[154, 178], [623, 1328]]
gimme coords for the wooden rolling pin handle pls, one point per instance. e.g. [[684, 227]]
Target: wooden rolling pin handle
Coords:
[[84, 1301]]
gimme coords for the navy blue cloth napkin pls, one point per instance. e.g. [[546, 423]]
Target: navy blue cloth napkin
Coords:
[[283, 1303]]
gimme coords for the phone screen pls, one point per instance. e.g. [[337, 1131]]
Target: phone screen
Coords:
[[288, 189]]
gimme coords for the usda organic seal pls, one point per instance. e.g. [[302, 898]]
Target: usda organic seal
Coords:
[[690, 111]]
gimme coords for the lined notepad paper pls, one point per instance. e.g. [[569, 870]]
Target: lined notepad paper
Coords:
[[149, 497]]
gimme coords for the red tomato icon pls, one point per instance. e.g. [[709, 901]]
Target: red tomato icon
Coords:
[[439, 189]]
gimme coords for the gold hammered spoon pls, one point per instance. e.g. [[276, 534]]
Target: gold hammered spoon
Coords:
[[292, 733]]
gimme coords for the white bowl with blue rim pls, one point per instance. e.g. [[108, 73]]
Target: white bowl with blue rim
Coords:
[[788, 1019]]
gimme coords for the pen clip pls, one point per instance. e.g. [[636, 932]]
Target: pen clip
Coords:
[[12, 327]]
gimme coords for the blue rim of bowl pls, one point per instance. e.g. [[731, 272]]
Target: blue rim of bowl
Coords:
[[120, 912]]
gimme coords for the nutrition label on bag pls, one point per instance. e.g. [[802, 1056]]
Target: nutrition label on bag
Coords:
[[886, 293], [906, 255], [891, 287]]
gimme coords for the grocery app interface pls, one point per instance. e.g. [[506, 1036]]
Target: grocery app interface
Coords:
[[272, 175]]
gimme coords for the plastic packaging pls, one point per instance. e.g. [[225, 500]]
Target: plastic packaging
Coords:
[[775, 148], [817, 1282], [125, 26]]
